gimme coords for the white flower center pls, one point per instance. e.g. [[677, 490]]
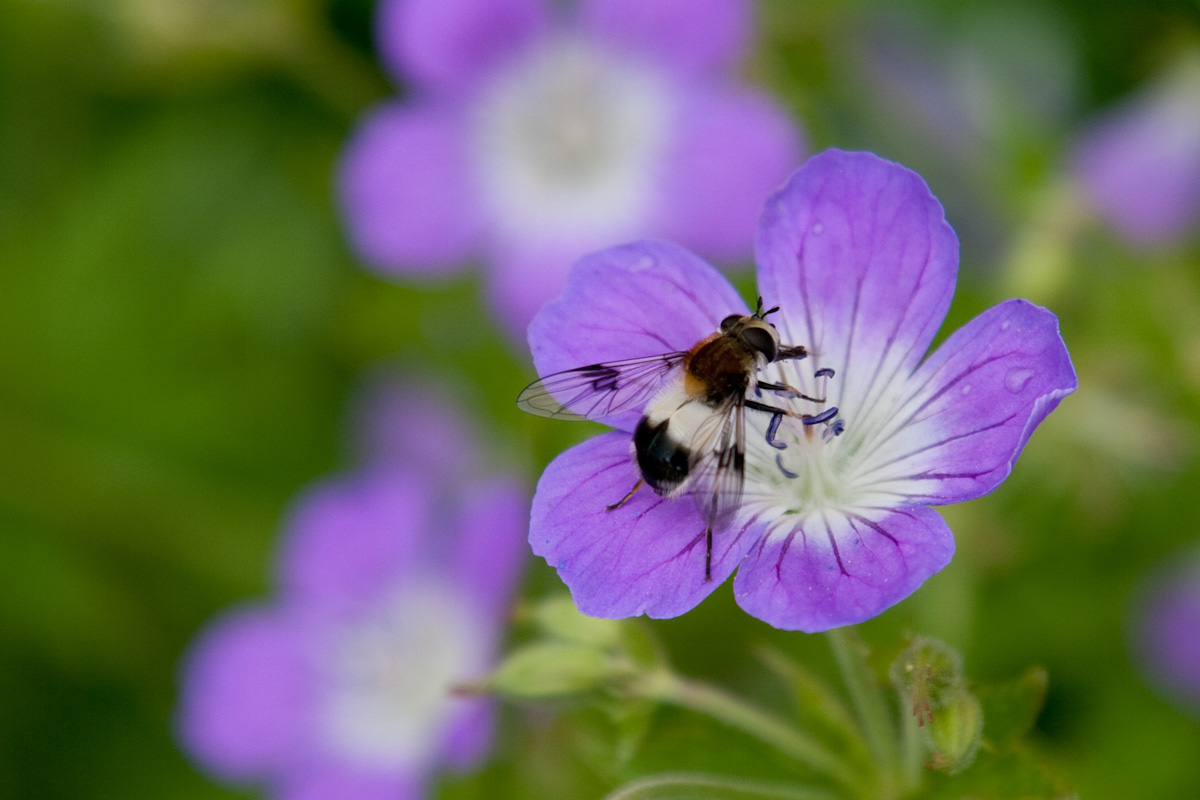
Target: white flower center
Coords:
[[810, 469], [566, 144], [389, 675]]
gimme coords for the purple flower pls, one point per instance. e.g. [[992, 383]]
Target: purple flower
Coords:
[[1165, 627], [833, 529], [534, 134], [1139, 164], [392, 589]]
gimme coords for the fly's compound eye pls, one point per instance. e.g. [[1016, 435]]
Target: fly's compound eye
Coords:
[[728, 323], [763, 340]]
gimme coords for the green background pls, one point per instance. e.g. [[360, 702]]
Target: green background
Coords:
[[182, 327]]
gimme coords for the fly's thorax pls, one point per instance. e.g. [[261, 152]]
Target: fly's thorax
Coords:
[[719, 368]]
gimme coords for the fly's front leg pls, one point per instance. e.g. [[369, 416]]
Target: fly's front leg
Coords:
[[777, 415], [789, 352], [783, 388]]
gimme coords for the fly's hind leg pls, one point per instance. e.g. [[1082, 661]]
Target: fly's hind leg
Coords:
[[627, 497]]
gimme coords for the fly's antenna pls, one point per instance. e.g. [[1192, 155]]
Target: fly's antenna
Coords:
[[758, 311]]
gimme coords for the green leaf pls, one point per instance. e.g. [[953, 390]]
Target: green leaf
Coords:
[[817, 705], [632, 719], [689, 786], [1011, 708], [641, 646]]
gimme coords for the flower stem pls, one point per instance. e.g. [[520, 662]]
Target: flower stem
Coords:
[[912, 750], [675, 785], [869, 704], [704, 698]]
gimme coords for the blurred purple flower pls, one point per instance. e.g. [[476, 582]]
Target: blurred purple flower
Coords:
[[833, 530], [394, 421], [392, 589], [534, 134], [1166, 630], [1139, 164]]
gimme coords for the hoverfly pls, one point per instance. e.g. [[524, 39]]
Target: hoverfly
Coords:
[[691, 438]]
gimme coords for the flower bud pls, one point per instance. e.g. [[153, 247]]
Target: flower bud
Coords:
[[955, 732], [559, 618], [928, 674], [550, 669]]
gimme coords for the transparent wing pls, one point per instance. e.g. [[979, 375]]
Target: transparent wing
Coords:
[[600, 390], [718, 474]]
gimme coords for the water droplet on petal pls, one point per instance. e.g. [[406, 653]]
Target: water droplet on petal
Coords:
[[966, 389], [1017, 379], [643, 264], [818, 228], [1005, 325]]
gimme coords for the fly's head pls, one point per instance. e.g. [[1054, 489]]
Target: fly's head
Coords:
[[754, 330]]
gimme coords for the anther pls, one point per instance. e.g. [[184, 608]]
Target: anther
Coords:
[[823, 372], [824, 416], [772, 429], [787, 473]]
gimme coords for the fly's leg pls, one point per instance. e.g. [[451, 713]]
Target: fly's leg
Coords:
[[788, 352], [627, 497], [777, 415], [783, 412], [783, 388], [708, 552]]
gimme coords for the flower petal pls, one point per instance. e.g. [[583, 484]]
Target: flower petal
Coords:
[[348, 540], [245, 695], [836, 569], [640, 299], [975, 402], [405, 191], [523, 279], [858, 254], [1166, 616], [468, 736], [399, 421], [646, 557], [693, 36], [328, 780], [488, 544], [1139, 164], [733, 147], [451, 44]]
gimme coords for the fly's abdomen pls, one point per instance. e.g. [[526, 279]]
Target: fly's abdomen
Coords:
[[662, 459]]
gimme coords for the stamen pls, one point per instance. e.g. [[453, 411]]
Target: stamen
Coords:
[[823, 372], [833, 430], [787, 473], [824, 416], [772, 429]]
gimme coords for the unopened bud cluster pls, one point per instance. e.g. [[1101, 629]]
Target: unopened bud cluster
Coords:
[[929, 677]]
